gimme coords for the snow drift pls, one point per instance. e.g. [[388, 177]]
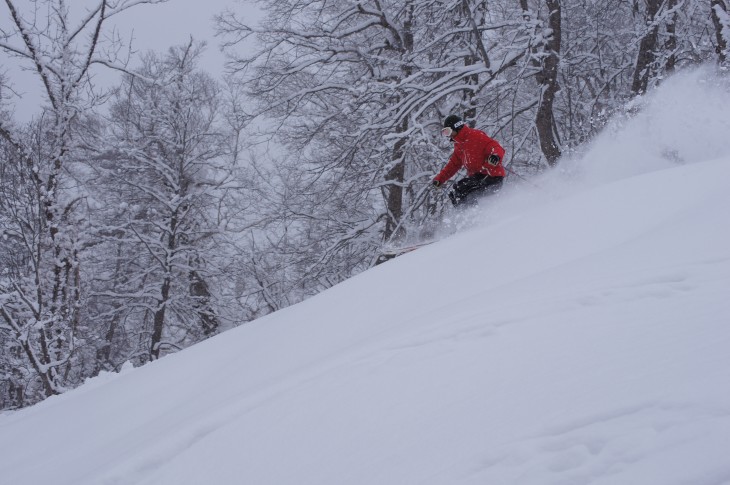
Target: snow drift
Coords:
[[594, 350]]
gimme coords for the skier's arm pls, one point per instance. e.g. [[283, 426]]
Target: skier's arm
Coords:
[[449, 170], [493, 148]]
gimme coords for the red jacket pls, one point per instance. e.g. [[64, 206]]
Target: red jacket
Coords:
[[471, 151]]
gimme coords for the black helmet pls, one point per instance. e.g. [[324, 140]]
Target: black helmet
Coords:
[[454, 122]]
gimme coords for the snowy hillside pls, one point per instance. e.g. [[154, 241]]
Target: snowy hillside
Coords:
[[595, 349]]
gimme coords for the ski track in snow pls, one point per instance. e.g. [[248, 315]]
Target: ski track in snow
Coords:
[[606, 445]]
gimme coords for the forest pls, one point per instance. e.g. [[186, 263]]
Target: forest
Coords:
[[140, 220]]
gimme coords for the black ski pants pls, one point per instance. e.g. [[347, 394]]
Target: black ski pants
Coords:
[[468, 189]]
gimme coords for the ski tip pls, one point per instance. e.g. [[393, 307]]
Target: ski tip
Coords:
[[397, 251]]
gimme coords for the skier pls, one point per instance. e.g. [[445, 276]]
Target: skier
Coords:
[[479, 154]]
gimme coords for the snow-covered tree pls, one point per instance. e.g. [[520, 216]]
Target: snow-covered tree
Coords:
[[357, 91], [40, 289], [161, 183]]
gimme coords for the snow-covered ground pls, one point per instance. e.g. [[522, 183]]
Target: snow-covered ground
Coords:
[[579, 333]]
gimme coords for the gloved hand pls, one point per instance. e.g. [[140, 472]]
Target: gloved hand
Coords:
[[493, 159], [436, 184]]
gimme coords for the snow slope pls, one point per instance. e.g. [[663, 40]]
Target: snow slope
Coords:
[[595, 350]]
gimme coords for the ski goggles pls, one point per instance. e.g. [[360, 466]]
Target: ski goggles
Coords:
[[447, 131]]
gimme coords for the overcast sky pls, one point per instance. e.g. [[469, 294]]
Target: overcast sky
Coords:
[[152, 27]]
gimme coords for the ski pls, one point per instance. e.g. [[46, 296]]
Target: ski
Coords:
[[393, 252]]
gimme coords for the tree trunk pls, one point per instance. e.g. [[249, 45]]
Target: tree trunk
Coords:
[[158, 323], [647, 50], [671, 43], [722, 29], [473, 38], [548, 83], [396, 175], [202, 303], [394, 191], [104, 353]]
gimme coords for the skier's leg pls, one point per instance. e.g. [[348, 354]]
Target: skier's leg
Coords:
[[464, 187], [490, 185]]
